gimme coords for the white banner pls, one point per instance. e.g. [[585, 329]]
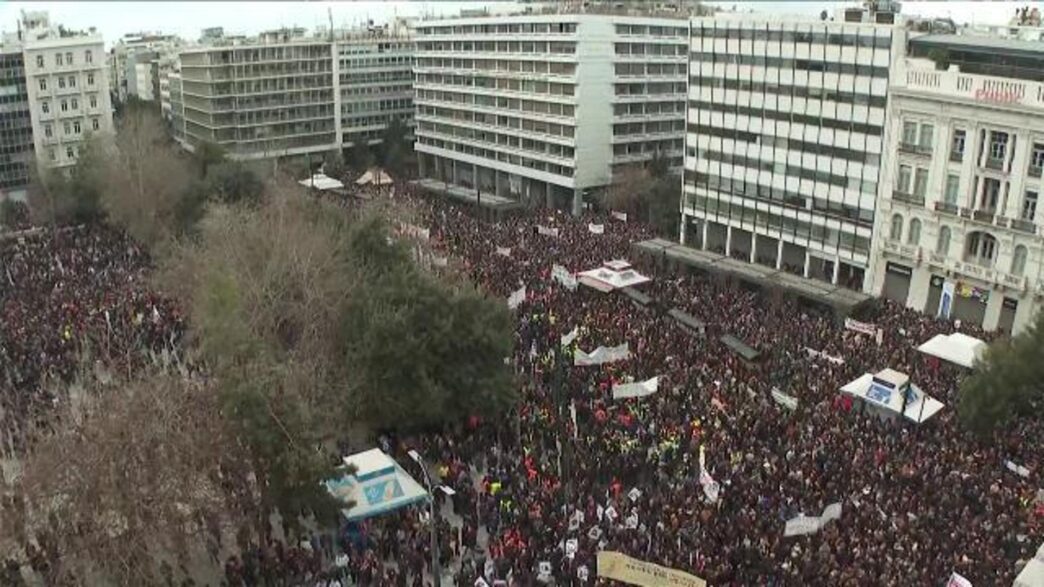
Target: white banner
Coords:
[[638, 389], [596, 228], [1017, 469], [619, 215], [505, 251], [957, 580], [564, 277], [601, 355], [860, 327], [946, 301], [711, 488], [810, 524], [787, 401], [569, 337], [546, 231], [516, 298], [822, 355]]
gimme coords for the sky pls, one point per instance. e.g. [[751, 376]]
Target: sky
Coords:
[[186, 19]]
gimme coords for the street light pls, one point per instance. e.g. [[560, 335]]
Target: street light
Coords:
[[436, 567]]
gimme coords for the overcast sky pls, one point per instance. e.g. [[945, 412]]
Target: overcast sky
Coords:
[[114, 19]]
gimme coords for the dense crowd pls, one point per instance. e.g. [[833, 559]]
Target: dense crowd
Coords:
[[572, 471]]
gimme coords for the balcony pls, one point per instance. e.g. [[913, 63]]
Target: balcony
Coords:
[[1024, 226], [911, 199], [1034, 171], [1014, 281], [995, 163], [946, 208], [956, 156], [986, 216], [915, 149], [937, 259]]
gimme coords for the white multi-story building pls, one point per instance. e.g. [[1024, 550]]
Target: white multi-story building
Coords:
[[958, 204], [785, 139], [286, 93], [546, 107], [67, 87], [134, 64]]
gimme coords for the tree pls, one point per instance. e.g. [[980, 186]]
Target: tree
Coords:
[[13, 214], [209, 154], [144, 180], [1006, 383], [362, 157], [649, 192], [72, 195], [126, 477], [229, 183], [334, 165]]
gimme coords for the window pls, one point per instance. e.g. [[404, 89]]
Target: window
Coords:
[[69, 153], [927, 135], [39, 60], [1037, 159], [45, 107], [998, 144], [65, 106], [94, 101], [47, 131], [953, 182], [72, 81], [905, 173], [913, 237], [68, 58], [57, 58], [90, 79], [76, 127], [1018, 260], [990, 194], [67, 128], [942, 245], [909, 133], [88, 57], [897, 227], [75, 104], [1029, 207], [981, 248], [920, 182], [94, 124], [51, 154], [957, 146], [61, 82]]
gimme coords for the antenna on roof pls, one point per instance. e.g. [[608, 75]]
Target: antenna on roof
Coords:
[[329, 16]]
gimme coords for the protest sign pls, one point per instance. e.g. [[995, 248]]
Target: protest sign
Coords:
[[601, 355], [637, 389], [546, 231], [596, 228], [505, 251], [622, 216], [787, 401], [618, 566]]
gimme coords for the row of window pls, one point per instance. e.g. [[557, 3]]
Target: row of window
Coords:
[[810, 65], [359, 62], [258, 54], [649, 148], [522, 28], [499, 102], [776, 142], [782, 197], [377, 105], [71, 152], [807, 36], [649, 108], [644, 128], [796, 229], [981, 248], [652, 31], [492, 83], [512, 65], [368, 48], [649, 88], [71, 128], [272, 70], [371, 90], [788, 116], [866, 187], [66, 81], [69, 104], [627, 69], [527, 47], [510, 158], [373, 120], [66, 58], [493, 138], [373, 77], [528, 125], [649, 49], [794, 91], [914, 181]]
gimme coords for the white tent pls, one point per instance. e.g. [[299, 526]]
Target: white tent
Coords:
[[959, 349], [321, 182], [375, 176], [1032, 574], [379, 485], [612, 275], [886, 391]]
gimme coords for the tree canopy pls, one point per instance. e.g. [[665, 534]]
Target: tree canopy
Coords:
[[650, 192]]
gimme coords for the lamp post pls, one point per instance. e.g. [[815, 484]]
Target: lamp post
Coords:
[[436, 566]]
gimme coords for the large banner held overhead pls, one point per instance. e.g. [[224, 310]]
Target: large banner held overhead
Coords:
[[546, 231], [601, 355], [637, 389], [811, 524], [564, 277], [787, 401], [619, 566], [860, 327], [596, 228], [516, 298]]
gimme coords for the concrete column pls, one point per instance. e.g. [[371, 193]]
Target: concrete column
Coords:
[[920, 284], [779, 254], [549, 195], [837, 270], [498, 183], [527, 189], [993, 310], [808, 263], [753, 247], [704, 229], [475, 177], [683, 229], [453, 172], [728, 240], [578, 201], [1024, 313]]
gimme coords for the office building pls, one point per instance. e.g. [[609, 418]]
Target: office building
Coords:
[[546, 108], [785, 136], [65, 88], [959, 231], [16, 127], [287, 93]]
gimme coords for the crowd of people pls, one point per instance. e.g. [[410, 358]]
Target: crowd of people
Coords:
[[919, 502], [538, 493]]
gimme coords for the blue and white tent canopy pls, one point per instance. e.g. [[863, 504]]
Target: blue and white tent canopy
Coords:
[[892, 391], [378, 486]]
